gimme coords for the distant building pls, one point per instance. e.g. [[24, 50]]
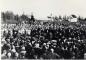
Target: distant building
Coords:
[[8, 17], [73, 18]]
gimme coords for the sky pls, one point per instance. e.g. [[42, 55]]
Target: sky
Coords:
[[43, 8]]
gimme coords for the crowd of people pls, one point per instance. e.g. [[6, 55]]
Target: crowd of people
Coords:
[[25, 42]]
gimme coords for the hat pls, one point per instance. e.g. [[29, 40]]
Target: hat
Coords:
[[13, 50], [9, 54], [23, 48], [53, 41]]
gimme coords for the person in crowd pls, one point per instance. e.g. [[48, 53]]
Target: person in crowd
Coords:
[[43, 42]]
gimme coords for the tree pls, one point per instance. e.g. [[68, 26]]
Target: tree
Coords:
[[56, 18], [79, 18], [9, 15], [85, 19], [32, 20], [16, 17], [64, 18], [24, 17], [3, 16], [60, 17]]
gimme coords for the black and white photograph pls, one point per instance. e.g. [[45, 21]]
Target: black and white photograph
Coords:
[[43, 29]]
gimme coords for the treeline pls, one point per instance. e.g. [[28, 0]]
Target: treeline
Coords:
[[10, 16], [15, 17], [67, 18]]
